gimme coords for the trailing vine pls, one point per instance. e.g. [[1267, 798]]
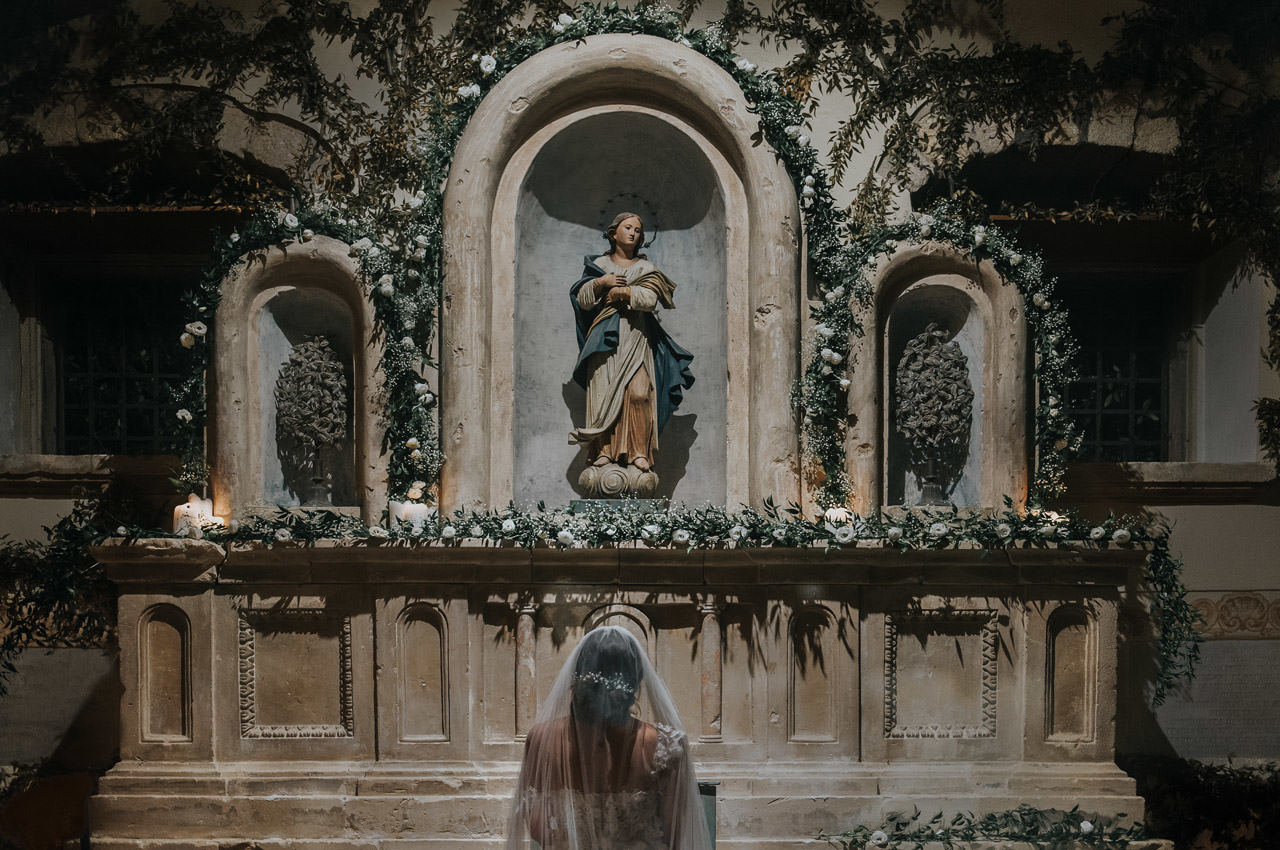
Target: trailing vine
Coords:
[[1025, 824]]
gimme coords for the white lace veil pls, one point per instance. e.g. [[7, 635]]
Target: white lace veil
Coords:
[[606, 762]]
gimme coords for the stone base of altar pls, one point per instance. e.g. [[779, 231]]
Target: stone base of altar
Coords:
[[378, 696], [466, 805]]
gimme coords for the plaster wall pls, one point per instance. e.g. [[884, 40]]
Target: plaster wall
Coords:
[[1232, 369], [597, 167]]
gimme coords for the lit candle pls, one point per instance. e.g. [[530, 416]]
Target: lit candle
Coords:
[[195, 513], [413, 513]]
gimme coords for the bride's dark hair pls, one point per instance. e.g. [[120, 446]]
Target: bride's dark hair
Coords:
[[606, 678]]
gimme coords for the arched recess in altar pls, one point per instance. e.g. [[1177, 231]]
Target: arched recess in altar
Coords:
[[568, 138], [270, 303], [935, 284]]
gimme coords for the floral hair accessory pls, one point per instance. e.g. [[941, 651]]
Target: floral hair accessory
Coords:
[[611, 682]]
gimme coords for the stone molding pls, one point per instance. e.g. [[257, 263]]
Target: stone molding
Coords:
[[1173, 483], [1240, 615], [250, 728], [631, 71], [987, 621]]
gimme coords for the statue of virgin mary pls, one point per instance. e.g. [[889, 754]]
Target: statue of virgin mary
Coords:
[[633, 371]]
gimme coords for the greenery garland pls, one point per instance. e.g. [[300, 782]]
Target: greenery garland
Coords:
[[1026, 824]]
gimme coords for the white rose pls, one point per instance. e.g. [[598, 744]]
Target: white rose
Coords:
[[827, 370], [557, 28], [508, 526], [416, 454], [477, 531], [412, 443], [184, 415], [386, 280], [422, 388], [1040, 300], [469, 91], [927, 220], [415, 202], [878, 839], [308, 235], [187, 340], [837, 515], [564, 19], [487, 64], [1121, 535], [649, 532], [793, 130], [744, 64], [1003, 530], [407, 342], [1097, 533], [565, 537], [122, 532], [844, 534], [283, 535], [290, 220], [844, 383], [894, 533], [1086, 827], [362, 244], [737, 533], [235, 237], [824, 329], [448, 532], [414, 493], [808, 180], [802, 140], [422, 241], [938, 529], [779, 533], [680, 536], [808, 192], [377, 531], [197, 328], [420, 254]]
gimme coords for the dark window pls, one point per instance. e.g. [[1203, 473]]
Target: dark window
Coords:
[[1121, 399], [118, 356]]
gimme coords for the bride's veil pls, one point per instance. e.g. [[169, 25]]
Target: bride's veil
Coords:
[[606, 761]]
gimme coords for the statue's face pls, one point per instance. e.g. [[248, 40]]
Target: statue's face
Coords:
[[628, 233]]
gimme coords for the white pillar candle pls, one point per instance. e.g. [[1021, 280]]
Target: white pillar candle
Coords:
[[415, 514], [196, 512]]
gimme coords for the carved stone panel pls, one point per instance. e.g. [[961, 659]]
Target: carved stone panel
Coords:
[[295, 671], [940, 673], [165, 675], [423, 681], [1069, 676], [812, 682]]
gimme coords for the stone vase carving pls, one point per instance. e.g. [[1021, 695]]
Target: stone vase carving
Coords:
[[934, 410], [311, 417]]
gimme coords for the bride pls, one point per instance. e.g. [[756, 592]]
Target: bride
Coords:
[[597, 777]]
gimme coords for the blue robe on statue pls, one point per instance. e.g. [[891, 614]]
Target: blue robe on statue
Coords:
[[670, 361]]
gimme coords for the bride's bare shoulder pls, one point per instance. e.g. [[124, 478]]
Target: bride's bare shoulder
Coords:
[[549, 730]]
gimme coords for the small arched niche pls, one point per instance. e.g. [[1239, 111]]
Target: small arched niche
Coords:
[[272, 304], [941, 302], [1070, 681], [604, 163], [164, 664], [934, 284]]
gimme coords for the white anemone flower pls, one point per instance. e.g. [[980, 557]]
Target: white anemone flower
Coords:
[[564, 19], [122, 532], [508, 526], [879, 838], [197, 328], [938, 529], [680, 536], [488, 64], [283, 535], [779, 533], [894, 533], [407, 342], [565, 537], [1097, 533], [1004, 530], [557, 27], [1121, 535], [844, 534], [290, 220], [476, 531], [377, 531], [737, 533], [448, 532], [650, 532]]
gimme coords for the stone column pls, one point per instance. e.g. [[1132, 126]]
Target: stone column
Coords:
[[526, 689], [711, 670]]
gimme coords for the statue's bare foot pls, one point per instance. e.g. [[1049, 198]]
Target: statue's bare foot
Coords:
[[641, 463], [603, 460]]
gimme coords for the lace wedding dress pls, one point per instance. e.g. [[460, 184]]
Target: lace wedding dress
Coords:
[[595, 777]]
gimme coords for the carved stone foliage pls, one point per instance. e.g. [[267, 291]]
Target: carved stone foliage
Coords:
[[311, 415], [934, 409], [1240, 615], [317, 660], [938, 677]]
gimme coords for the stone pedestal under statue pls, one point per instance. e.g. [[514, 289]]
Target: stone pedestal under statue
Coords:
[[345, 696]]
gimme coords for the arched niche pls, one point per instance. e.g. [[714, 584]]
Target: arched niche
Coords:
[[497, 266], [270, 303], [422, 677], [917, 285], [1070, 674], [666, 172], [164, 667]]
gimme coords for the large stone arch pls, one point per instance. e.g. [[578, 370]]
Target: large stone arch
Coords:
[[642, 74]]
